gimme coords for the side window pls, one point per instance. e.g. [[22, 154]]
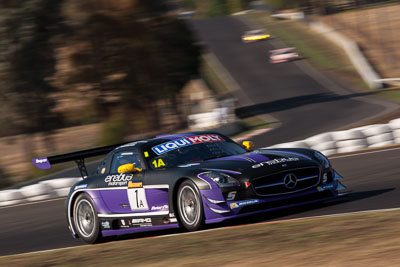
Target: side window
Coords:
[[125, 157]]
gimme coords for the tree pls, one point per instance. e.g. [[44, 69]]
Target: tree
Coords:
[[29, 29], [217, 8], [130, 55]]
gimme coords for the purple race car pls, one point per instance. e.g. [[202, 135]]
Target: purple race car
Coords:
[[188, 180]]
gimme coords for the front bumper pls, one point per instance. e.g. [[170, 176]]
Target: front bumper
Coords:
[[218, 209]]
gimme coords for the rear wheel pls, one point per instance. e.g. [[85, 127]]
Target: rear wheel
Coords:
[[190, 206], [86, 222]]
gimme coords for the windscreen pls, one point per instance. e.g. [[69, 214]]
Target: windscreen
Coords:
[[191, 149]]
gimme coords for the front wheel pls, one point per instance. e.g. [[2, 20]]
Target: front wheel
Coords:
[[86, 222], [190, 207]]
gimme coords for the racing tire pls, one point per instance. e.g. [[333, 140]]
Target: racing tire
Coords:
[[85, 220], [190, 206]]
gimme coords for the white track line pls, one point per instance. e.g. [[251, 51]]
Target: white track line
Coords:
[[221, 228]]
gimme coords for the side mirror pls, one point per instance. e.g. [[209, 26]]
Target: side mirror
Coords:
[[248, 145], [130, 167]]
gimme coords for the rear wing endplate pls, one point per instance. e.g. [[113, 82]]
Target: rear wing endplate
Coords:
[[79, 158]]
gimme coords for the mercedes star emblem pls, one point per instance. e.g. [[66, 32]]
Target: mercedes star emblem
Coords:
[[290, 181]]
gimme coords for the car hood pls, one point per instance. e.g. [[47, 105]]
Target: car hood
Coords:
[[257, 163]]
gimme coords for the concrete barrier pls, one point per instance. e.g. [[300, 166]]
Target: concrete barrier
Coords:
[[10, 197], [390, 81], [35, 192], [369, 136], [292, 15], [47, 189]]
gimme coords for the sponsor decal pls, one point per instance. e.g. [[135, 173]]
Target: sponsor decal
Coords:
[[163, 207], [41, 163], [135, 184], [238, 204], [146, 154], [118, 179], [205, 138], [141, 220], [171, 145], [274, 161], [41, 160], [81, 186], [105, 225], [172, 215], [173, 220], [187, 141], [234, 205], [135, 222], [125, 223], [324, 187]]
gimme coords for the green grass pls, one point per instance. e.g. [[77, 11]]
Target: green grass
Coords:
[[346, 240], [254, 123], [392, 94], [304, 46]]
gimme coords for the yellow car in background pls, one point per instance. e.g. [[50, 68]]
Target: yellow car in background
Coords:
[[254, 35]]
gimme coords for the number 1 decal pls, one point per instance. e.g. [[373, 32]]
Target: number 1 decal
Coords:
[[137, 199]]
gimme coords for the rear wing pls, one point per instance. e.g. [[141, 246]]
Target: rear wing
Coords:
[[79, 158]]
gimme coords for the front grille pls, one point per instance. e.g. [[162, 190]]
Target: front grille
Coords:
[[287, 182]]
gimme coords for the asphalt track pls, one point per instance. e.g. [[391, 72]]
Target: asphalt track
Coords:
[[42, 226], [304, 101], [303, 105]]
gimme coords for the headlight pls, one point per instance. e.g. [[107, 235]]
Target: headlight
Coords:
[[221, 179], [322, 159]]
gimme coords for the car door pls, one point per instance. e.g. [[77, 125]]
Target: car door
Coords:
[[123, 192]]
